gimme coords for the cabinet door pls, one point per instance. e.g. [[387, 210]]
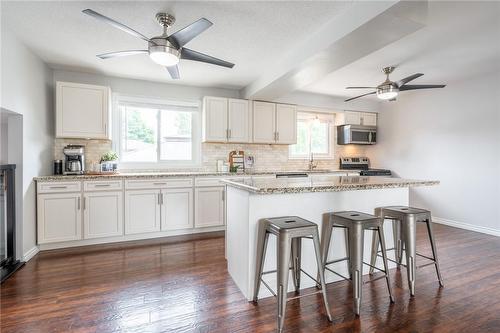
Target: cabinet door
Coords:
[[368, 119], [352, 118], [82, 111], [264, 122], [214, 119], [102, 214], [177, 209], [238, 120], [209, 206], [286, 124], [142, 211], [59, 217]]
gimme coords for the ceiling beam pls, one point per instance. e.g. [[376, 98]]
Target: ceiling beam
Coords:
[[363, 28]]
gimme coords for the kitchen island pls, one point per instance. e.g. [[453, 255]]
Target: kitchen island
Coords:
[[250, 200]]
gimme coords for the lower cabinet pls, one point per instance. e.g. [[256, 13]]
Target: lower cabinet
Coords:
[[59, 217], [102, 214], [177, 209], [209, 206], [142, 211]]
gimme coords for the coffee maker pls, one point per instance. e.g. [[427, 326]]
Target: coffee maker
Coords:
[[74, 162]]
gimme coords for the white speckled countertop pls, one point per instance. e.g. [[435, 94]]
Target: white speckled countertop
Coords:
[[173, 174], [325, 183]]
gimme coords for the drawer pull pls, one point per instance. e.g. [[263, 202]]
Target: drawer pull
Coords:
[[58, 187], [102, 185], [159, 184]]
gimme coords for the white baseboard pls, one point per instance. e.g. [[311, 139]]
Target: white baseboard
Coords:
[[31, 253], [467, 226]]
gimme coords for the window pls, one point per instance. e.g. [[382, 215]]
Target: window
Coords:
[[314, 135], [157, 132]]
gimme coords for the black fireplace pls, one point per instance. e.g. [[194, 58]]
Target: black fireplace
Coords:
[[8, 262]]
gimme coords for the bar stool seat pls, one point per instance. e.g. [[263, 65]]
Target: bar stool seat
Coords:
[[354, 223], [405, 236], [289, 231]]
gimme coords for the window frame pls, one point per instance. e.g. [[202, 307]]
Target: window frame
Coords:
[[117, 128], [324, 116]]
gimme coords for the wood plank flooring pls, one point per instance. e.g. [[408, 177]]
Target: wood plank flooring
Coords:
[[184, 287]]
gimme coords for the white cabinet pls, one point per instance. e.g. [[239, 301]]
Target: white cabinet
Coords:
[[209, 206], [102, 214], [360, 118], [238, 120], [59, 217], [274, 123], [82, 111], [142, 211], [286, 124], [226, 120], [177, 209], [215, 119]]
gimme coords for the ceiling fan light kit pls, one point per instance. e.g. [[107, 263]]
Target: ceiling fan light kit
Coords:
[[165, 50], [389, 90]]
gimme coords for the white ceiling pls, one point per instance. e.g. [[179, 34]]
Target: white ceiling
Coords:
[[460, 40], [253, 35]]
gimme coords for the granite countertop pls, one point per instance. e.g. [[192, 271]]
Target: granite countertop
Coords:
[[323, 184], [173, 174]]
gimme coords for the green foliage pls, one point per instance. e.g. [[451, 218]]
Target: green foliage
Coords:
[[137, 128], [109, 156]]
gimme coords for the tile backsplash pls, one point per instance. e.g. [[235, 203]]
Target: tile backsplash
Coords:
[[267, 157]]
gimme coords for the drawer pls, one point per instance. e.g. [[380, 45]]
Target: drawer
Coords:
[[206, 182], [59, 187], [106, 185], [158, 183]]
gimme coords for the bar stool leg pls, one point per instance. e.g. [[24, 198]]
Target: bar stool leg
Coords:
[[283, 250], [262, 238], [347, 251], [380, 232], [326, 236], [409, 228], [434, 250], [356, 241], [321, 273], [375, 244], [398, 243], [296, 258]]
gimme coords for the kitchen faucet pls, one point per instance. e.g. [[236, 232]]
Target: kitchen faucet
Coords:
[[312, 166]]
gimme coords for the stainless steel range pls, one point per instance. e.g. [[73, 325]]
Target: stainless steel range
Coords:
[[363, 165]]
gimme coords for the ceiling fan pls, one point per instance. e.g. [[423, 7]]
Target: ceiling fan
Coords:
[[165, 50], [389, 90]]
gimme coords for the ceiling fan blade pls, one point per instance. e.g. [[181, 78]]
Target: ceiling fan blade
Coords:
[[185, 35], [174, 72], [421, 86], [115, 24], [189, 54], [408, 79], [350, 99], [121, 54], [361, 87]]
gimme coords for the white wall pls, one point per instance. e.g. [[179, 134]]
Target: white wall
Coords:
[[26, 89], [452, 135], [141, 88]]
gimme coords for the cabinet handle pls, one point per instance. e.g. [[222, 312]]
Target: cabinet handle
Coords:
[[158, 184], [58, 187], [159, 199], [102, 185], [223, 195], [78, 203], [229, 134], [277, 136], [84, 203]]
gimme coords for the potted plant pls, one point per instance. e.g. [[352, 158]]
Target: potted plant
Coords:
[[109, 162]]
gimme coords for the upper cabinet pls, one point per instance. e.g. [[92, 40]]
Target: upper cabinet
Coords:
[[226, 120], [274, 123], [82, 111], [360, 118]]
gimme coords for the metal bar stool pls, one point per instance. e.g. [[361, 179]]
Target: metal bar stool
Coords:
[[355, 223], [405, 236], [289, 231]]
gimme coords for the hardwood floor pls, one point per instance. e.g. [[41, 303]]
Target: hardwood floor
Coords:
[[185, 287]]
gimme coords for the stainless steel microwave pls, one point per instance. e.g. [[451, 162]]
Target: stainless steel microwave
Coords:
[[356, 134]]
